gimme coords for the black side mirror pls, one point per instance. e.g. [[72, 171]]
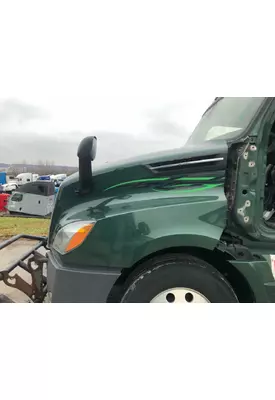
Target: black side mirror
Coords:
[[86, 154]]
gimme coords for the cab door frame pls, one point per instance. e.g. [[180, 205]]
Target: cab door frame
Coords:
[[249, 178]]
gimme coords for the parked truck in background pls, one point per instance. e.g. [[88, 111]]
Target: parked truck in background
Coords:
[[26, 177], [190, 225]]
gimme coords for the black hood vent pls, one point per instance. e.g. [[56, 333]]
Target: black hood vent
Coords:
[[208, 163]]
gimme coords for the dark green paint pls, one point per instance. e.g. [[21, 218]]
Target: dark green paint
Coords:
[[198, 189], [137, 181], [163, 179], [202, 178], [170, 221]]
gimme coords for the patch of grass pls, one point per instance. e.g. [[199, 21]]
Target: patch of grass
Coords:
[[30, 226]]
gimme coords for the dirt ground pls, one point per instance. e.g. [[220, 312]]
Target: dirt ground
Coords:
[[7, 256]]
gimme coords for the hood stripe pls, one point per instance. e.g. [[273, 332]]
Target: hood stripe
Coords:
[[137, 181], [209, 160], [198, 189], [163, 179]]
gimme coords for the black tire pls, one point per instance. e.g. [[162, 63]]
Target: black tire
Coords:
[[173, 271]]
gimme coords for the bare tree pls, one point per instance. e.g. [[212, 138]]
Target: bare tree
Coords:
[[13, 171], [46, 167]]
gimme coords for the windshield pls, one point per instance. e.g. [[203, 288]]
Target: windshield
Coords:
[[225, 118]]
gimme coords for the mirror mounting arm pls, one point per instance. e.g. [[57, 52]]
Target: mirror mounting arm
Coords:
[[86, 154]]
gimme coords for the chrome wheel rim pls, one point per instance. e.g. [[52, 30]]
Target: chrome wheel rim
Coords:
[[180, 295]]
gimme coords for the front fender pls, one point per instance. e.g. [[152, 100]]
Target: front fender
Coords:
[[128, 232], [176, 241]]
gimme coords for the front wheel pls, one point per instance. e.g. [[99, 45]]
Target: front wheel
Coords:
[[178, 278]]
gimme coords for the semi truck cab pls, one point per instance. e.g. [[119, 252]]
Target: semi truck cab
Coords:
[[194, 224]]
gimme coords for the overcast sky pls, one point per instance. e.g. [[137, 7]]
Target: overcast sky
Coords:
[[70, 71]]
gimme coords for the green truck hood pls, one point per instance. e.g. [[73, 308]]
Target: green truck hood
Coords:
[[189, 175]]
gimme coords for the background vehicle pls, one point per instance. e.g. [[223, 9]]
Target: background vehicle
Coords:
[[45, 178], [3, 201], [10, 186], [34, 198], [58, 179], [188, 225], [26, 177], [3, 178]]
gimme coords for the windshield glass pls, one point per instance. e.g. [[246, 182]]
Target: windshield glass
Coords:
[[225, 118]]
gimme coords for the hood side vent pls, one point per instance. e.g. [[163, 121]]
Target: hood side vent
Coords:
[[205, 163]]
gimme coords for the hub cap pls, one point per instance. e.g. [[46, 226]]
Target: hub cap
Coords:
[[180, 295]]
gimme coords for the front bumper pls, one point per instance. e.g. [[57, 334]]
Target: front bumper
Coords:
[[78, 285]]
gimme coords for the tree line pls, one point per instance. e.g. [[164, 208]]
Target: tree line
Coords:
[[41, 168]]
